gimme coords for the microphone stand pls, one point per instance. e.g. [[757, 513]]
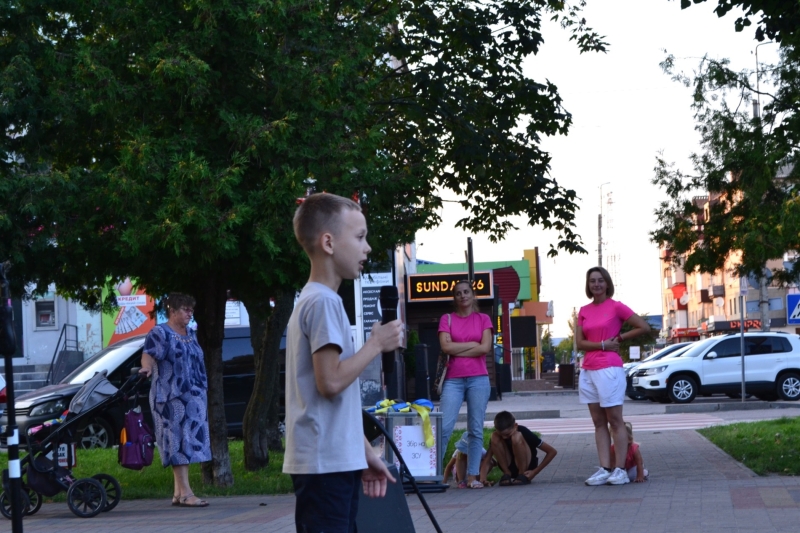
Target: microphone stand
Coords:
[[11, 477]]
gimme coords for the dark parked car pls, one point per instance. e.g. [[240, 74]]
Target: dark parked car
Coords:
[[118, 359]]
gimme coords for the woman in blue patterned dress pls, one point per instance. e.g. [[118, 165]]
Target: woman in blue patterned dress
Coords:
[[178, 395]]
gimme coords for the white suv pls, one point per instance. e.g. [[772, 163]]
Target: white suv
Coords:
[[772, 369]]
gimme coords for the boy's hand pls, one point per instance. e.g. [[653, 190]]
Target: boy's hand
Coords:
[[374, 477], [389, 336], [639, 479]]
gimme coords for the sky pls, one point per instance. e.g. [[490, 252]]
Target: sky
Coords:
[[625, 111]]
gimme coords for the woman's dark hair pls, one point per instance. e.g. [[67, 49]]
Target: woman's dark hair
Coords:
[[176, 300], [606, 276], [475, 307]]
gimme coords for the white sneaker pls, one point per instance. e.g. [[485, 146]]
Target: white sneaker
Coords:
[[599, 478], [618, 477]]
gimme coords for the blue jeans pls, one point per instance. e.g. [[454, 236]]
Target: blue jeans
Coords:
[[475, 390]]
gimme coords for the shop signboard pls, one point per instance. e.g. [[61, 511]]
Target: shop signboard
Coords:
[[439, 287]]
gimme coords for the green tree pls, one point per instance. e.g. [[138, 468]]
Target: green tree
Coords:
[[170, 141], [564, 351], [547, 341], [747, 165], [775, 19]]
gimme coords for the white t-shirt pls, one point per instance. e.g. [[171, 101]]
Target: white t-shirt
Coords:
[[322, 435]]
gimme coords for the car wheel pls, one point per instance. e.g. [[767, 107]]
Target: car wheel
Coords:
[[789, 386], [97, 434], [682, 389]]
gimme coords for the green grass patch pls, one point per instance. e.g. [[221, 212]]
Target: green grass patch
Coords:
[[765, 447], [156, 481]]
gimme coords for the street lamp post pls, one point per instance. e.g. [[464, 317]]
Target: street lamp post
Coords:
[[600, 228]]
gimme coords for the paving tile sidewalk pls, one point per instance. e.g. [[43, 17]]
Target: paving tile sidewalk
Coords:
[[693, 486]]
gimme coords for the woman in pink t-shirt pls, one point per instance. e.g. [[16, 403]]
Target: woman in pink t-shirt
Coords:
[[466, 336], [602, 381]]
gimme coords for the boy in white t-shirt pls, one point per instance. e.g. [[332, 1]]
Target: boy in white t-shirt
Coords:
[[327, 455]]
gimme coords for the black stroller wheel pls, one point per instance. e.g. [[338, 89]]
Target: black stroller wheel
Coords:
[[5, 504], [86, 497], [112, 488], [34, 502]]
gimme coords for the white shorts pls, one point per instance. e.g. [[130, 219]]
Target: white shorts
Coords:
[[605, 386]]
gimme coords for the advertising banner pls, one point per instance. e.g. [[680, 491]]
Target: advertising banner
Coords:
[[133, 317]]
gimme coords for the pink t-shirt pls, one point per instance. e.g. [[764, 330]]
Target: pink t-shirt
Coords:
[[466, 329], [601, 322]]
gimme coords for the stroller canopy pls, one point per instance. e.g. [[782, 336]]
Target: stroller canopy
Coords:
[[94, 391]]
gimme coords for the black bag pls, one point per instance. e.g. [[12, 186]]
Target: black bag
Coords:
[[136, 441], [441, 367]]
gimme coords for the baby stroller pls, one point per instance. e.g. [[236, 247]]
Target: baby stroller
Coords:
[[41, 473]]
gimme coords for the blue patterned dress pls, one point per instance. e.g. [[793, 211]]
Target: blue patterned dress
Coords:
[[178, 396]]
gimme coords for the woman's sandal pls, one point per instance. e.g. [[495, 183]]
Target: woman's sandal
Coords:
[[505, 481], [176, 500], [184, 502], [461, 485], [475, 484], [521, 480]]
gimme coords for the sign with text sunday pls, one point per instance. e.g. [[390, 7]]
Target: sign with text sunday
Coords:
[[439, 287]]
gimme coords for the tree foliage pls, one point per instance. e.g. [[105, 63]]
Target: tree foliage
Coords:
[[747, 167], [774, 19]]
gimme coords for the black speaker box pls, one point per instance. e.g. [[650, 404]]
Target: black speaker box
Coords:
[[389, 514]]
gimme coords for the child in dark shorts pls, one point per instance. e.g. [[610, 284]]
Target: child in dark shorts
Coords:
[[511, 446]]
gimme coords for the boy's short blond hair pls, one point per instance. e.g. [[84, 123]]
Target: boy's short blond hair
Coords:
[[319, 213]]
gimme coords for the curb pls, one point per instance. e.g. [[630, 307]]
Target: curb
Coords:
[[528, 394], [738, 406], [519, 415]]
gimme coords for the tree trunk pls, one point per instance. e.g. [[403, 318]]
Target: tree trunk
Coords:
[[261, 418], [211, 297]]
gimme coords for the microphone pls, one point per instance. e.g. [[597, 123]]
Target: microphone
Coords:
[[389, 299]]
